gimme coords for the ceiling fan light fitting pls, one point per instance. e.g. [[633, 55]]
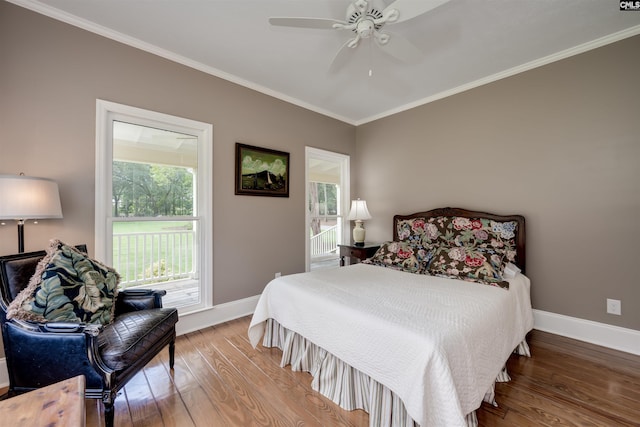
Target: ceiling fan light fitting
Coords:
[[365, 28], [390, 16], [353, 43], [382, 38], [361, 5]]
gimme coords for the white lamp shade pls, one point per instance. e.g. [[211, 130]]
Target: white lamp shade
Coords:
[[24, 197], [359, 211]]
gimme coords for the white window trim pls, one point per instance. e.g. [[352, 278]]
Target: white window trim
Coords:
[[107, 111]]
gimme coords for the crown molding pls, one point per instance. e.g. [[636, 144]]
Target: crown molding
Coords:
[[567, 53], [92, 27], [172, 56]]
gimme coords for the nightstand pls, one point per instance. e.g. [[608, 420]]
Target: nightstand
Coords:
[[357, 252]]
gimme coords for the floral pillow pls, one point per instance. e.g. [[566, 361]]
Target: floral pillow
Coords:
[[417, 232], [410, 229], [470, 264], [400, 256], [68, 286], [459, 231]]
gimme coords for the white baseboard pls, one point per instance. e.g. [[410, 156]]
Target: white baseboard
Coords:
[[215, 315], [188, 323], [615, 337]]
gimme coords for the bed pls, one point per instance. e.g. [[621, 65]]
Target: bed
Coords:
[[419, 333]]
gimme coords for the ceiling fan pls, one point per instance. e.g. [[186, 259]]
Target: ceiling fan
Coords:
[[367, 20]]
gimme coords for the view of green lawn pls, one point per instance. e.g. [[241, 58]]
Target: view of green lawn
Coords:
[[152, 251]]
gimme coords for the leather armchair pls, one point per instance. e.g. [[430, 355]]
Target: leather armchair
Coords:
[[40, 354]]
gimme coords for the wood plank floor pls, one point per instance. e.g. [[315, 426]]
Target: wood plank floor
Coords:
[[220, 380]]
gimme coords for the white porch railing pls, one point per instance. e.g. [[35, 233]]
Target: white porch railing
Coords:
[[152, 257], [325, 242], [162, 256]]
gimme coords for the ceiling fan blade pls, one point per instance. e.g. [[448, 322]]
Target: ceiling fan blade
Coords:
[[341, 57], [400, 48], [320, 23], [408, 9]]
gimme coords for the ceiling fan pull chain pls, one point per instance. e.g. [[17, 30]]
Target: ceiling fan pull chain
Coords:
[[371, 58]]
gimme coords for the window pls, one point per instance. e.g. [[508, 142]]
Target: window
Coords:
[[153, 192]]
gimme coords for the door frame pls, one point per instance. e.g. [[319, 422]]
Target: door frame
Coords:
[[344, 161]]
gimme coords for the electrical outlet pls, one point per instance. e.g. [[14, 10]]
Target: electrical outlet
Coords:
[[278, 274], [614, 306]]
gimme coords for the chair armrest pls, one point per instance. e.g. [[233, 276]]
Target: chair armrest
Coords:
[[41, 354], [138, 299], [69, 327]]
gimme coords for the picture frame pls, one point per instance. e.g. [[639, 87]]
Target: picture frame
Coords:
[[261, 171]]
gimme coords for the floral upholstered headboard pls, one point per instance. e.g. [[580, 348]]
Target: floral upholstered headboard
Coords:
[[462, 228]]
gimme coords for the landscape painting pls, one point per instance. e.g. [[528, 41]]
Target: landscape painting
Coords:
[[261, 171]]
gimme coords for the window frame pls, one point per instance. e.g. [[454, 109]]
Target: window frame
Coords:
[[106, 113]]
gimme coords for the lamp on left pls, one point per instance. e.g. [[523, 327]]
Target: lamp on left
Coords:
[[25, 197]]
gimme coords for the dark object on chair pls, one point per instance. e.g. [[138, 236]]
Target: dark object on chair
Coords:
[[40, 354]]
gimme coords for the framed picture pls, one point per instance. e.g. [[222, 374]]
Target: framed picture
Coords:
[[261, 171]]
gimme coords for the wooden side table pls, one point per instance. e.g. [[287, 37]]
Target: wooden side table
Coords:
[[357, 252], [60, 404]]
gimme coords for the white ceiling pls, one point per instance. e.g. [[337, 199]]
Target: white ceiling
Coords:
[[465, 43]]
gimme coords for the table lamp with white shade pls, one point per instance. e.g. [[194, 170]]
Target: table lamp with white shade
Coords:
[[359, 213], [25, 197]]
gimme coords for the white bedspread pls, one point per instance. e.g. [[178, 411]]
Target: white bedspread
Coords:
[[437, 343]]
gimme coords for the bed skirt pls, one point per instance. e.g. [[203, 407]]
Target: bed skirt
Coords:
[[349, 388]]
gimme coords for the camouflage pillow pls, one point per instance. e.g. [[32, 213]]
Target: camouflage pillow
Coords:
[[68, 286]]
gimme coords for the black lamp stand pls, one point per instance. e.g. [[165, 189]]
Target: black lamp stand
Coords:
[[21, 236]]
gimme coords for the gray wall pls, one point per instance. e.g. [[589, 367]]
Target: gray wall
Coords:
[[559, 144], [51, 75]]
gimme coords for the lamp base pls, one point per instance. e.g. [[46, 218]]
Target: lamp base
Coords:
[[358, 234]]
